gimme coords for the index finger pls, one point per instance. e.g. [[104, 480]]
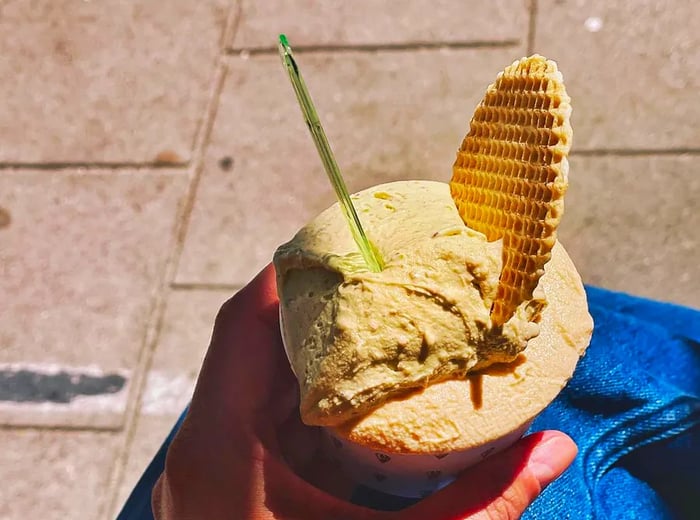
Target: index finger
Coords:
[[245, 364]]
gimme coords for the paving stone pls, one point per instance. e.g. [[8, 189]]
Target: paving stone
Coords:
[[631, 224], [631, 68], [82, 254], [388, 116], [105, 81], [186, 331], [183, 341], [367, 22], [54, 474]]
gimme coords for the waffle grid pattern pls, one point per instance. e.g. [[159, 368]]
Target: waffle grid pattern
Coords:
[[510, 175]]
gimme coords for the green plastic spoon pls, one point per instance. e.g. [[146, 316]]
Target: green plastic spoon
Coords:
[[369, 253]]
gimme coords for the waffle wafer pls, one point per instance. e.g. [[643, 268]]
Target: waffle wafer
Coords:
[[510, 175]]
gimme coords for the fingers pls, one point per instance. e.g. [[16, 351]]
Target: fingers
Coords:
[[502, 486], [289, 496], [245, 366], [245, 362], [246, 325], [257, 301]]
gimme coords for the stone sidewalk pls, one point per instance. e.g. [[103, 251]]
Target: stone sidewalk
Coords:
[[152, 158]]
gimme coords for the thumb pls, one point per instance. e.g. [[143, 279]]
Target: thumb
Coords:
[[504, 485]]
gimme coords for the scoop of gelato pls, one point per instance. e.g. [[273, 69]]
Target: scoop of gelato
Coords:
[[356, 338]]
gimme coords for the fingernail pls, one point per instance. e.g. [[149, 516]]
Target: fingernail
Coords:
[[544, 461]]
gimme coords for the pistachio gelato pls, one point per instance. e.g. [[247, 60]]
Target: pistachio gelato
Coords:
[[497, 402], [359, 339]]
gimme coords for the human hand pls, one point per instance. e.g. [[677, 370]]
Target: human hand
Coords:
[[243, 453]]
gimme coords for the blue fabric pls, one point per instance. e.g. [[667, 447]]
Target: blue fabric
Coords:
[[633, 408], [138, 505]]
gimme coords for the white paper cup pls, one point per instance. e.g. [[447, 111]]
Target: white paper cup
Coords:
[[408, 475], [404, 475]]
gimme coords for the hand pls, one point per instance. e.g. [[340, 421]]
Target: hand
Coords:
[[243, 453]]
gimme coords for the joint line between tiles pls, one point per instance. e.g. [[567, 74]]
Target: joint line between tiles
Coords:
[[60, 428], [202, 134], [57, 166], [386, 47], [156, 316], [188, 203], [532, 27], [199, 286], [233, 26], [639, 152]]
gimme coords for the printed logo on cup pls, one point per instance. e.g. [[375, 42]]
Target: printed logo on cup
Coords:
[[488, 452], [383, 458]]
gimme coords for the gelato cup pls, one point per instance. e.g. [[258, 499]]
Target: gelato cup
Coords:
[[416, 441], [408, 475]]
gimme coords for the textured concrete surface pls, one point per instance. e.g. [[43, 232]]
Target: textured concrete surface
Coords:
[[626, 230], [54, 475], [105, 81], [367, 22], [631, 68], [152, 159], [82, 254]]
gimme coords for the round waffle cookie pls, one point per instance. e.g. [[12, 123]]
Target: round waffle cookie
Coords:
[[510, 175]]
